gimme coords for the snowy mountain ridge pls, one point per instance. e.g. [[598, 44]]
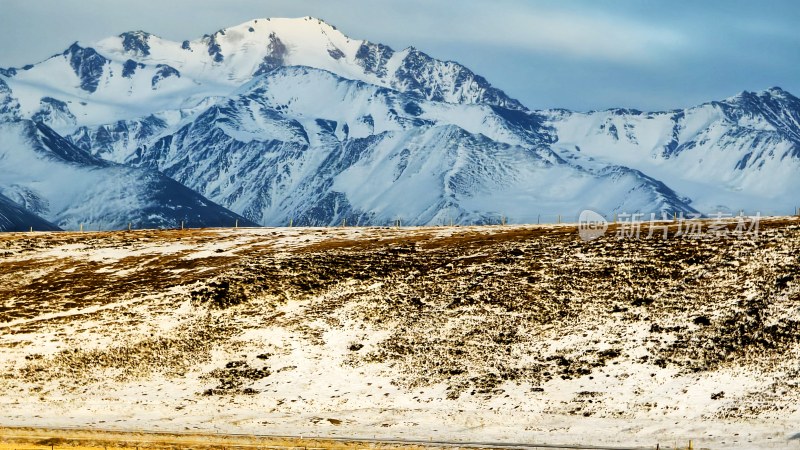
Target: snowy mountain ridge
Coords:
[[742, 152], [284, 149], [290, 120], [136, 73], [234, 55]]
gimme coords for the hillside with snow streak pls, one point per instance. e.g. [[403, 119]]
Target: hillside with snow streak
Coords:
[[51, 178], [14, 217]]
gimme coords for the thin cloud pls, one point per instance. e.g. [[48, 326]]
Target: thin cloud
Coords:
[[576, 35], [597, 37]]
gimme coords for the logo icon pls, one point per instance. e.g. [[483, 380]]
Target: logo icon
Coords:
[[591, 225]]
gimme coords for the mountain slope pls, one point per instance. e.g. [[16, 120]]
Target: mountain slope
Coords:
[[80, 86], [740, 153], [303, 144], [14, 217], [52, 178]]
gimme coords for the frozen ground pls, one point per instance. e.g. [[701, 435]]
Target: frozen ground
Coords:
[[513, 334]]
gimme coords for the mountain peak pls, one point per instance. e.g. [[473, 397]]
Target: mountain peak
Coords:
[[136, 42], [776, 90], [138, 34], [771, 94], [234, 55], [277, 24]]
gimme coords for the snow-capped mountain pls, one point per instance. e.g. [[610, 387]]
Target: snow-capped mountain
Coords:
[[739, 153], [136, 74], [289, 119], [306, 145], [234, 55], [46, 175], [14, 217]]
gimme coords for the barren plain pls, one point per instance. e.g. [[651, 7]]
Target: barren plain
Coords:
[[518, 334]]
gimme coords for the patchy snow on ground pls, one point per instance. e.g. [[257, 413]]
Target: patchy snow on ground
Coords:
[[481, 334]]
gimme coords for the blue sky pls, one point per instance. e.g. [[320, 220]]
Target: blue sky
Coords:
[[577, 54]]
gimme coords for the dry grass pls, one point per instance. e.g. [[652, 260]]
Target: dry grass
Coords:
[[44, 439]]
